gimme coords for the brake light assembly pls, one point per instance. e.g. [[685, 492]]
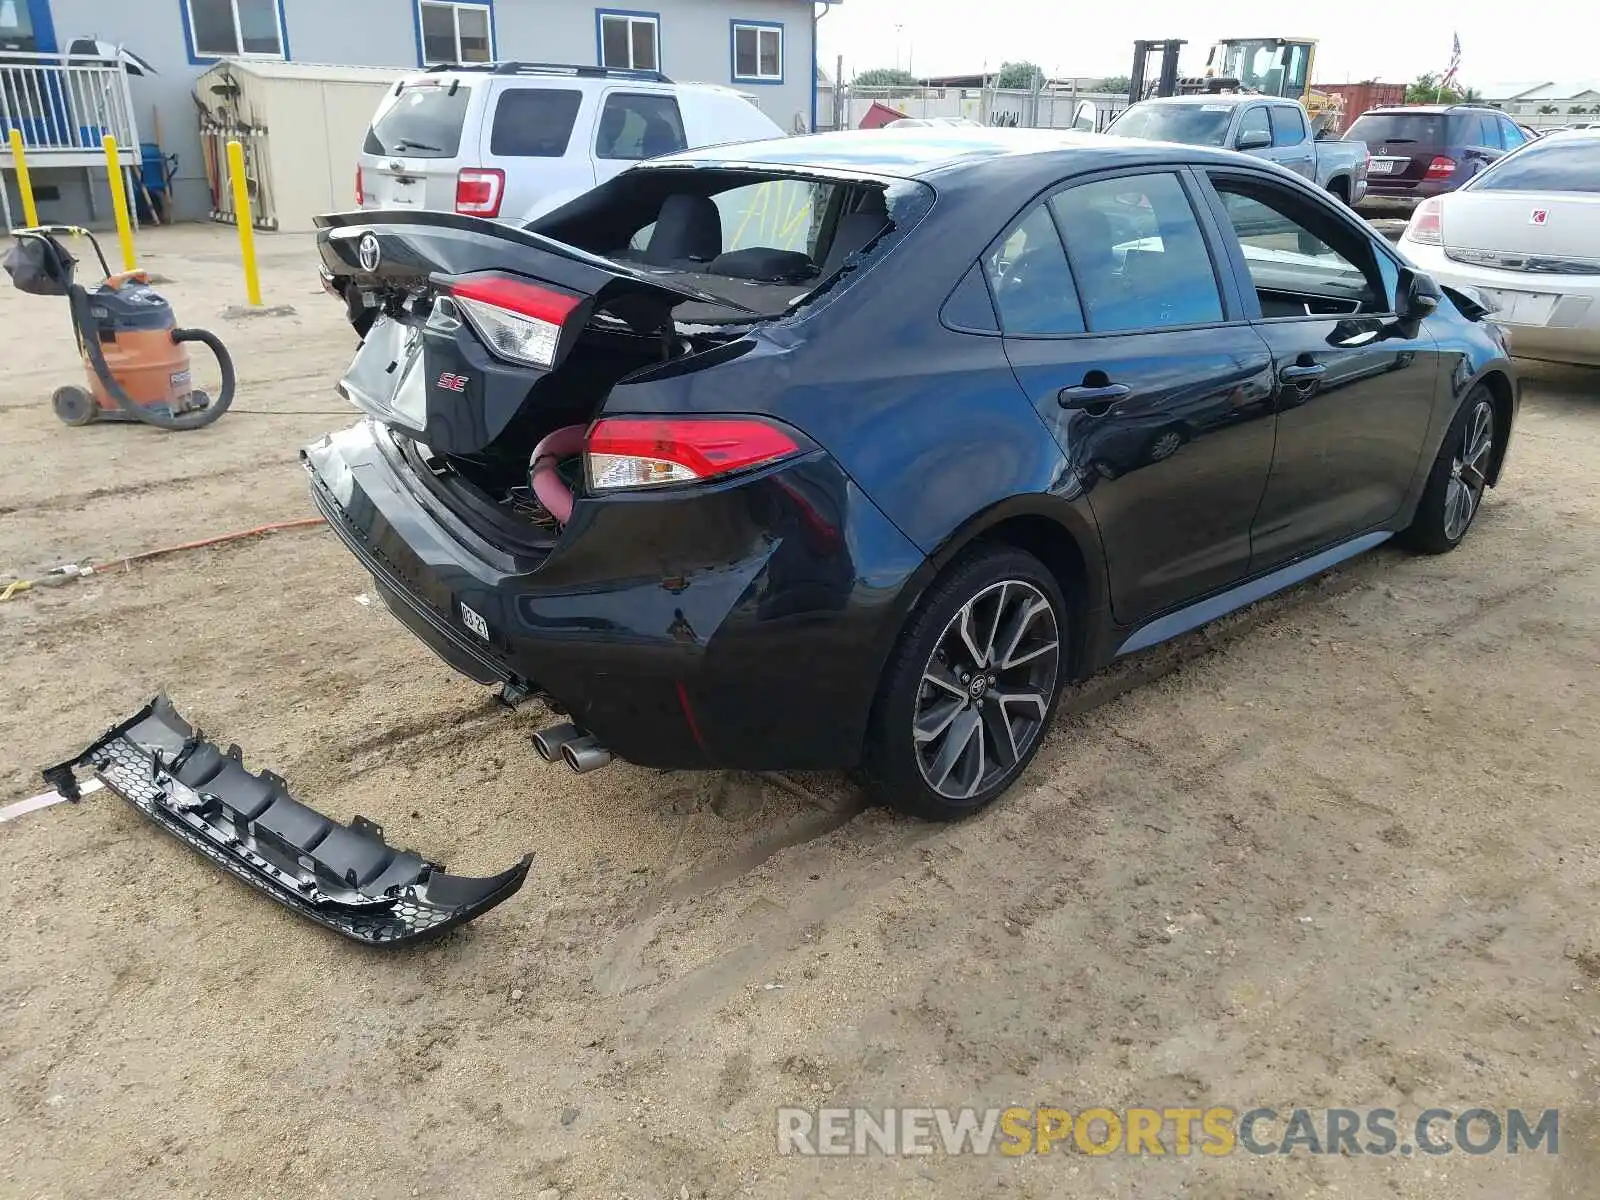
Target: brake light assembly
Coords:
[[1427, 222], [479, 191], [1441, 168], [622, 453], [519, 320]]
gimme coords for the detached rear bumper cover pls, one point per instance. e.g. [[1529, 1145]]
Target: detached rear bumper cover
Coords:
[[342, 876]]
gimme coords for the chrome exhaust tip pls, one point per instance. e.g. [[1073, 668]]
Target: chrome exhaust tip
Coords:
[[548, 742], [585, 754]]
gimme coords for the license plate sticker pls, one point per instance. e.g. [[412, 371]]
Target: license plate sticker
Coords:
[[474, 622]]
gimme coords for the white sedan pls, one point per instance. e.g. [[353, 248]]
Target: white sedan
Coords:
[[1526, 234]]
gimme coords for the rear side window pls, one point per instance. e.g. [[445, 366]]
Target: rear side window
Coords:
[[423, 122], [1466, 129], [1138, 254], [1555, 165], [534, 122], [1423, 129], [1288, 126], [634, 125], [1031, 281]]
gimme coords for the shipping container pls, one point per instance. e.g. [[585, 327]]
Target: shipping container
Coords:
[[1359, 97]]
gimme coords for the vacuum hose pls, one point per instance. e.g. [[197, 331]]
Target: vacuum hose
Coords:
[[83, 321]]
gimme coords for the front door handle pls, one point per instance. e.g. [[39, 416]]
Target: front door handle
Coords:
[[1085, 396], [1302, 372]]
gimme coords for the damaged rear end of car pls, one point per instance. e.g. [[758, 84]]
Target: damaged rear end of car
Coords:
[[577, 468]]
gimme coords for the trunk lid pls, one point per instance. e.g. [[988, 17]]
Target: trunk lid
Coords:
[[1525, 225], [426, 366]]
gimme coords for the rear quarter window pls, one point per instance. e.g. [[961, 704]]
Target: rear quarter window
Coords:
[[424, 121], [534, 122]]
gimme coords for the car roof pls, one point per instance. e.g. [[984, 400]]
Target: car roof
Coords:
[[1216, 98], [1390, 110], [914, 153]]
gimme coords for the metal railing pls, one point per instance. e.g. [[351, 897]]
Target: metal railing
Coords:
[[65, 106]]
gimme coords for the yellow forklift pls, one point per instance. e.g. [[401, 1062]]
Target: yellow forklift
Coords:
[[1264, 66]]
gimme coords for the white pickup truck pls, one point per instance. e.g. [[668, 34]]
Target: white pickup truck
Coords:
[[1265, 126]]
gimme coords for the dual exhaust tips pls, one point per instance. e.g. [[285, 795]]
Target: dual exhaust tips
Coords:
[[567, 743]]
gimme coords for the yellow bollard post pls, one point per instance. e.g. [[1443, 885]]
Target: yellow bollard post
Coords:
[[243, 218], [119, 202], [30, 211]]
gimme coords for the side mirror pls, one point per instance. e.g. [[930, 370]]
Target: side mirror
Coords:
[[1419, 296], [1086, 119], [1253, 139]]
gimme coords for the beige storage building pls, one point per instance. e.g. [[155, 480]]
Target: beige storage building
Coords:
[[301, 125]]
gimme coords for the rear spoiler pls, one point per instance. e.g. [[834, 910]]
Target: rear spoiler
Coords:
[[344, 877]]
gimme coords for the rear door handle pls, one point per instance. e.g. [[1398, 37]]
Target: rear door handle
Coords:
[[1299, 373], [1084, 396]]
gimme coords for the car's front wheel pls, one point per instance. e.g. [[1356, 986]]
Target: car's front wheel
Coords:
[[1460, 476], [970, 687]]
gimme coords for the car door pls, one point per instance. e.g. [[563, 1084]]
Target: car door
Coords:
[[1481, 144], [1291, 142], [531, 137], [1119, 327], [1355, 385], [633, 126], [1253, 133]]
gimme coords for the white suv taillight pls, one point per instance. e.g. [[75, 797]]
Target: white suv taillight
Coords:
[[479, 191], [1427, 223], [638, 452], [518, 320]]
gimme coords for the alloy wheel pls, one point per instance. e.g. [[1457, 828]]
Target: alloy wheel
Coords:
[[986, 689], [1469, 471]]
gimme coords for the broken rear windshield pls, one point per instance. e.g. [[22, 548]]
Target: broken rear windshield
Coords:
[[763, 240]]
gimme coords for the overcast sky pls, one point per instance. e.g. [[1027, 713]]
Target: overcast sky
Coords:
[[1391, 39]]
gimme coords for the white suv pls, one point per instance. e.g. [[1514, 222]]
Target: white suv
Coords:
[[513, 141]]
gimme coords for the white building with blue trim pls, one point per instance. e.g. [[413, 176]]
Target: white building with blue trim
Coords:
[[766, 48]]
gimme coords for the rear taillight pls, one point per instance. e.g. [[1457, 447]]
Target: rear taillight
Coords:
[[479, 192], [1441, 168], [361, 191], [518, 320], [637, 452], [1427, 223]]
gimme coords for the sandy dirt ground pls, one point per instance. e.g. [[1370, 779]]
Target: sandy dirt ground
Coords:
[[1339, 851]]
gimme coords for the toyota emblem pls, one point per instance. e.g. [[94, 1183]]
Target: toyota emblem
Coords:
[[369, 252]]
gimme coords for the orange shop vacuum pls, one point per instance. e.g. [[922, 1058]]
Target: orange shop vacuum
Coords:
[[134, 355]]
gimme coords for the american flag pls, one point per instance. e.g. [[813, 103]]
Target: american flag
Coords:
[[1455, 61]]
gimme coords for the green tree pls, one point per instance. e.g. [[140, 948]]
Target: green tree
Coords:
[[1116, 84], [1547, 109], [1427, 90], [1019, 75], [1577, 110], [1472, 96], [885, 77]]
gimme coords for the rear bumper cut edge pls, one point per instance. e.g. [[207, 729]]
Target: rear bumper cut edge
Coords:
[[344, 877]]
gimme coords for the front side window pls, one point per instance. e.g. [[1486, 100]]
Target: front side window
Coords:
[[1288, 126], [455, 32], [1510, 134], [1559, 164], [630, 41], [1302, 262], [634, 126], [1031, 281], [1254, 121], [757, 53], [1138, 254], [233, 28]]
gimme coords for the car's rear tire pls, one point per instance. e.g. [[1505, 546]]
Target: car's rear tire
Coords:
[[1459, 478], [970, 687]]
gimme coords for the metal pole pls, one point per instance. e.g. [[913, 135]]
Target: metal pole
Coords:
[[119, 202], [19, 157], [241, 217]]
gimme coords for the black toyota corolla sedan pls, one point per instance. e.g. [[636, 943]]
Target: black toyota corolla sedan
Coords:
[[851, 450]]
